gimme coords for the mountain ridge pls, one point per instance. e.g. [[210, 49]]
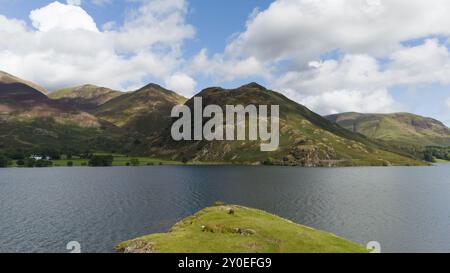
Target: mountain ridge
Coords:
[[401, 128], [306, 138], [143, 110], [141, 120], [86, 97], [9, 78], [31, 121]]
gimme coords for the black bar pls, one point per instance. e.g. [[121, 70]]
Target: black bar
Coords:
[[242, 262]]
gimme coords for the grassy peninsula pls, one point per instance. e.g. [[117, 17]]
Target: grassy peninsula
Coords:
[[237, 229]]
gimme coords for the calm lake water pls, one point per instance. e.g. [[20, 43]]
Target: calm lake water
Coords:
[[406, 209]]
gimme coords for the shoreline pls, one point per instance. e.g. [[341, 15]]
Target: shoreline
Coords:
[[228, 165]]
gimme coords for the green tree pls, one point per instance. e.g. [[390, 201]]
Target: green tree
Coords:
[[101, 161], [428, 156], [135, 162], [3, 161], [30, 162], [69, 164], [20, 162], [43, 163]]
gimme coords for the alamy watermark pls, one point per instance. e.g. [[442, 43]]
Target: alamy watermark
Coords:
[[74, 247], [234, 127], [374, 247]]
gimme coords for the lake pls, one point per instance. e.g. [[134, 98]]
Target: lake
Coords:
[[406, 209]]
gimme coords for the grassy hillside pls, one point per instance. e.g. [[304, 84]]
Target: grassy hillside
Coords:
[[30, 121], [138, 123], [237, 229], [145, 111], [85, 97], [397, 128], [20, 102], [41, 134], [305, 138]]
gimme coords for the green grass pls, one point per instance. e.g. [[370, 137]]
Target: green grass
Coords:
[[119, 160], [441, 160], [246, 230], [397, 128]]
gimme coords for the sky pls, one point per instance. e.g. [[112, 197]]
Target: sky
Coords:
[[330, 55]]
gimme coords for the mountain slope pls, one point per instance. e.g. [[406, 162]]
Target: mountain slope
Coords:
[[145, 111], [398, 128], [86, 97], [7, 78], [21, 102], [305, 138], [29, 120]]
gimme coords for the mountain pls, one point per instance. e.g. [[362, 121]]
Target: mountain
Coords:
[[397, 128], [86, 97], [30, 120], [20, 101], [306, 138], [99, 119], [6, 78], [145, 111]]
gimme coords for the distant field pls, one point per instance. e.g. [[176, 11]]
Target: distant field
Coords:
[[119, 160], [441, 160], [122, 160]]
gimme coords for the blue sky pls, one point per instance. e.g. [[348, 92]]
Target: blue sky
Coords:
[[331, 55]]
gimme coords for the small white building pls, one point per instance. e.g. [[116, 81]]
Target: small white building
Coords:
[[40, 157]]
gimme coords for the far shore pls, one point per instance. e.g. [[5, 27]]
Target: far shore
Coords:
[[152, 162]]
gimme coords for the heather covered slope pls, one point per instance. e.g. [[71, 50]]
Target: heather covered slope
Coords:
[[397, 128], [6, 78], [306, 138], [43, 134], [139, 123], [19, 101], [86, 97], [145, 111], [30, 121]]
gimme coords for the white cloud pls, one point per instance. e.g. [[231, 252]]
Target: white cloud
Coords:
[[425, 63], [290, 40], [66, 47], [360, 82], [74, 2], [354, 83], [360, 72], [221, 69], [338, 101], [101, 2], [95, 2], [305, 29], [154, 23], [58, 16], [289, 45], [182, 84]]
